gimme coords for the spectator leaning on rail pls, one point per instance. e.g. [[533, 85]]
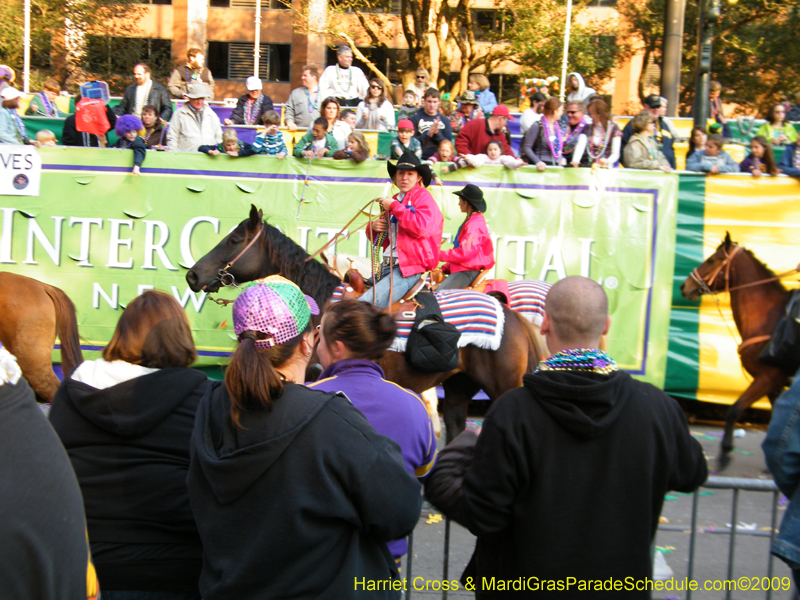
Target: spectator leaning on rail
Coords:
[[43, 104], [790, 161], [302, 107], [12, 129], [193, 72], [576, 135], [642, 150], [194, 124], [142, 93], [353, 337], [294, 493], [475, 135], [251, 106], [431, 126], [713, 159], [343, 81], [568, 475], [662, 130], [413, 222]]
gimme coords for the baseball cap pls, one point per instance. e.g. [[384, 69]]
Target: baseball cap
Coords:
[[653, 101], [405, 124], [253, 83], [10, 93], [502, 111], [274, 306]]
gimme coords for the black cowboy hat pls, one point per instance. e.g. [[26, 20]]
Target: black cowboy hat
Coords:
[[410, 162], [474, 196]]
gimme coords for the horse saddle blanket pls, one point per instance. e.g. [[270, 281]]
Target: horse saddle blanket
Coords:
[[527, 297], [478, 317]]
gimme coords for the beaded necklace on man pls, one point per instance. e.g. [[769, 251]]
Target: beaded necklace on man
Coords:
[[572, 139], [253, 109], [589, 360], [19, 126], [553, 137], [312, 106], [349, 78], [50, 108]]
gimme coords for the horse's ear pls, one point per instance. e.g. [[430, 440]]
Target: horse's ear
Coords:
[[256, 216], [727, 240]]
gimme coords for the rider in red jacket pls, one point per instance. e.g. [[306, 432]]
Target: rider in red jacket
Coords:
[[416, 225], [473, 250]]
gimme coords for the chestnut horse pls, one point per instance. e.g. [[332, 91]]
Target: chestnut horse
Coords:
[[758, 301], [255, 249], [33, 312]]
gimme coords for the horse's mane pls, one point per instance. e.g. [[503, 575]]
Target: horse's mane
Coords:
[[769, 272], [290, 259]]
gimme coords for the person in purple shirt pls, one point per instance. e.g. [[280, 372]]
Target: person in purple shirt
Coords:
[[353, 337]]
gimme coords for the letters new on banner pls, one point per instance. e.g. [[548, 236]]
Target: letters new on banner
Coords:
[[104, 236], [20, 170]]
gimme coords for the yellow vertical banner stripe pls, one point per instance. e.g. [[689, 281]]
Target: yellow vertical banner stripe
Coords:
[[763, 215]]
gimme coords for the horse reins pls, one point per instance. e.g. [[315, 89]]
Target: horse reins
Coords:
[[225, 277], [705, 284]]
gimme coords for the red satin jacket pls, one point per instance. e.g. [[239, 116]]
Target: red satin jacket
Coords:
[[475, 251]]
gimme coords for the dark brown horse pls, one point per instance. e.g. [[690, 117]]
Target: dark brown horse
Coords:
[[255, 249], [757, 301], [32, 313]]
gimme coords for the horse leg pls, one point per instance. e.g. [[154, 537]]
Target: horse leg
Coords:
[[458, 391], [758, 388]]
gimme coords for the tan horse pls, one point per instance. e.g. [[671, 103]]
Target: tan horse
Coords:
[[32, 313]]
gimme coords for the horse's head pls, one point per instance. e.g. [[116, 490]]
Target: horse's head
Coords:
[[236, 259], [713, 275]]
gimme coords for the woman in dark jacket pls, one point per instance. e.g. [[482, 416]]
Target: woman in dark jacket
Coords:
[[294, 492], [126, 421]]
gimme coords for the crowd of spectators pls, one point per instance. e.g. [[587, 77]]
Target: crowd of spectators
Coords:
[[578, 133]]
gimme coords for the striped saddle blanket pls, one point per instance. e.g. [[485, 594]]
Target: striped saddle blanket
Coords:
[[478, 317], [527, 297]]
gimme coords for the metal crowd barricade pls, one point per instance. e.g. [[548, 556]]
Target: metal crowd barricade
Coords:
[[719, 483]]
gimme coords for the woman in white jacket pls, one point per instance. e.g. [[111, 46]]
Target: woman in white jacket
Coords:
[[194, 124], [375, 113]]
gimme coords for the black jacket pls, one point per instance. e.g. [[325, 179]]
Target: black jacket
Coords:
[[129, 446], [568, 478], [430, 143], [72, 137], [237, 116], [158, 97], [43, 553], [137, 145], [299, 502]]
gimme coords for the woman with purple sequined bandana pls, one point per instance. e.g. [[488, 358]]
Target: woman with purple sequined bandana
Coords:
[[294, 493]]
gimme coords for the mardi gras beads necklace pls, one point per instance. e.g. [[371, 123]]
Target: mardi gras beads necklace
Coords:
[[554, 136], [580, 359], [572, 139]]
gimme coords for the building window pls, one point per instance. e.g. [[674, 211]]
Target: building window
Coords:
[[108, 56], [234, 60], [491, 24], [154, 1], [251, 4]]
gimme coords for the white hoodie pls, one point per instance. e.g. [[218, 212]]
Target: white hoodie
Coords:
[[583, 91]]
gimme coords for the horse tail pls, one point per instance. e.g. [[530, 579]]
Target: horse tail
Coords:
[[67, 329], [537, 347]]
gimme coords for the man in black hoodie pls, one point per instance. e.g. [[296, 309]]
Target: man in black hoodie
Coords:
[[565, 484]]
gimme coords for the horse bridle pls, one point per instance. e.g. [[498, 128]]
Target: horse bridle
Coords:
[[705, 283], [226, 278]]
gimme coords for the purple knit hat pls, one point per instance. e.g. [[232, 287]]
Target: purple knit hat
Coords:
[[127, 123], [274, 306]]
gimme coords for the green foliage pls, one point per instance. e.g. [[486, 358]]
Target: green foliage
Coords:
[[753, 53], [537, 41], [112, 59]]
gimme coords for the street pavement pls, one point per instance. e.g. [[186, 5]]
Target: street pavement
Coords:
[[751, 553]]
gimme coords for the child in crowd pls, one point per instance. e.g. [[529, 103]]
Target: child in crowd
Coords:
[[713, 159], [317, 143], [409, 108], [405, 140], [127, 129], [357, 148], [230, 145], [761, 159], [344, 127], [697, 141], [270, 141], [446, 155], [45, 137], [494, 156]]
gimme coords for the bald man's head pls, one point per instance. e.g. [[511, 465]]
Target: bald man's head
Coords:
[[577, 310]]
